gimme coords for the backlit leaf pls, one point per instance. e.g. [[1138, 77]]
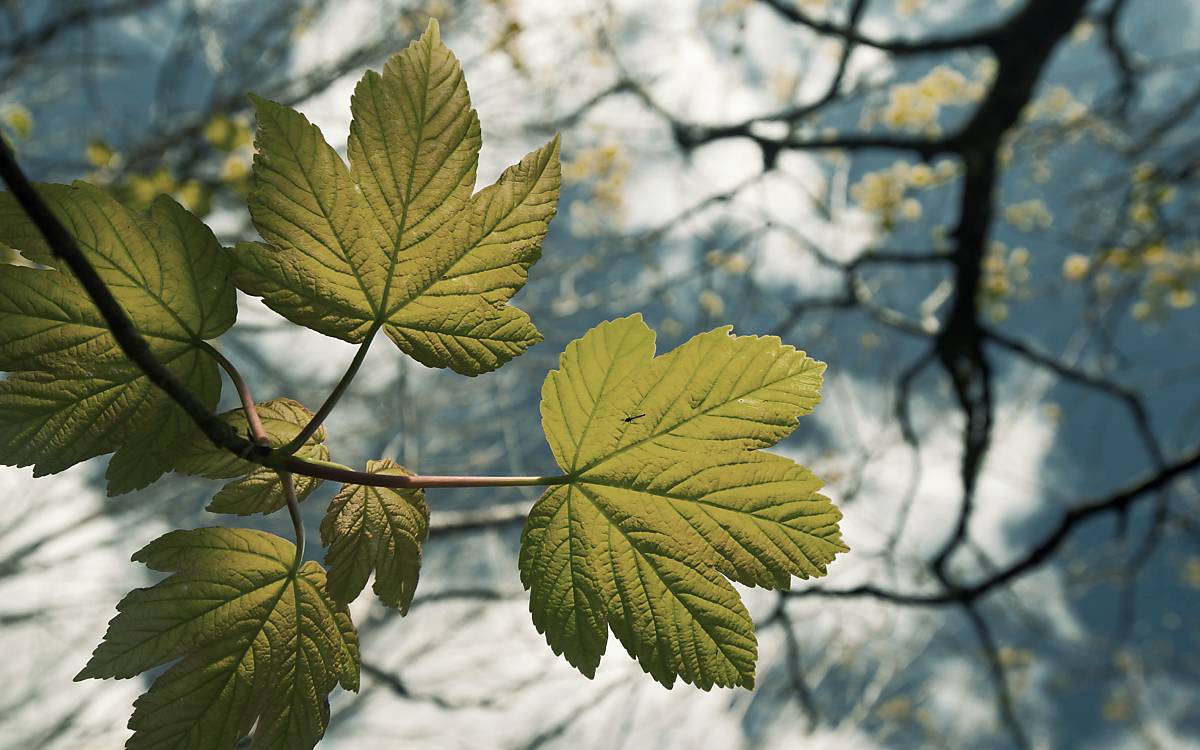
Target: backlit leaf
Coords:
[[396, 241], [250, 639], [71, 393], [259, 489], [669, 498], [375, 529]]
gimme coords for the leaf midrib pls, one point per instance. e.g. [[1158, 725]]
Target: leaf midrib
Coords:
[[402, 225], [695, 415], [190, 578], [468, 249], [627, 332], [650, 564], [672, 499], [325, 214], [249, 644]]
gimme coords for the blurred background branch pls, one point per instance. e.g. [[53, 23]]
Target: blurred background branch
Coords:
[[981, 213]]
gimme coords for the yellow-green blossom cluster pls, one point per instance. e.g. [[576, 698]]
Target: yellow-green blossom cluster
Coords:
[[1191, 572], [1028, 215], [885, 192], [1170, 277], [16, 121], [1005, 277], [227, 133], [712, 303], [140, 189], [1147, 196], [731, 263], [917, 106], [1169, 272], [230, 136], [1058, 104], [1083, 31], [605, 168]]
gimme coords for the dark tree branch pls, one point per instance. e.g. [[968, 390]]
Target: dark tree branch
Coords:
[[904, 386], [1036, 555], [795, 670], [985, 37], [21, 49], [64, 246], [1022, 50], [1127, 71], [1004, 699], [1127, 396]]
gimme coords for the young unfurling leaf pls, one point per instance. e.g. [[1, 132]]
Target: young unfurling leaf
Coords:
[[376, 529], [255, 642], [72, 393], [398, 241], [258, 489], [660, 511]]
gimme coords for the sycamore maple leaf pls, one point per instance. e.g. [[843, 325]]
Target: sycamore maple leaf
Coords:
[[72, 393], [257, 489], [668, 497], [254, 644], [397, 241], [376, 529]]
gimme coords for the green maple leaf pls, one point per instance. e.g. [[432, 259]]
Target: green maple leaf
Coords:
[[71, 393], [397, 241], [252, 640], [380, 529], [669, 497], [258, 489]]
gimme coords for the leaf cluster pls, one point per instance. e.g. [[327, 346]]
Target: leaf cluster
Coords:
[[665, 498]]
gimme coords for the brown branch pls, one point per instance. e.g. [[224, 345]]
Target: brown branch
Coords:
[[20, 48], [62, 243], [885, 257], [985, 37], [690, 136], [1004, 699], [1126, 69], [1022, 51], [257, 431], [1037, 555]]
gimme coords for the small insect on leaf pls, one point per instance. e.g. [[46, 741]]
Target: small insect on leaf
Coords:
[[633, 418]]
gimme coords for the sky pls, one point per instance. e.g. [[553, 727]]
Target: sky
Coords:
[[476, 671]]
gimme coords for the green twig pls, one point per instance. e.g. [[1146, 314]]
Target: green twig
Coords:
[[243, 391], [293, 506], [338, 473], [319, 418], [261, 437]]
